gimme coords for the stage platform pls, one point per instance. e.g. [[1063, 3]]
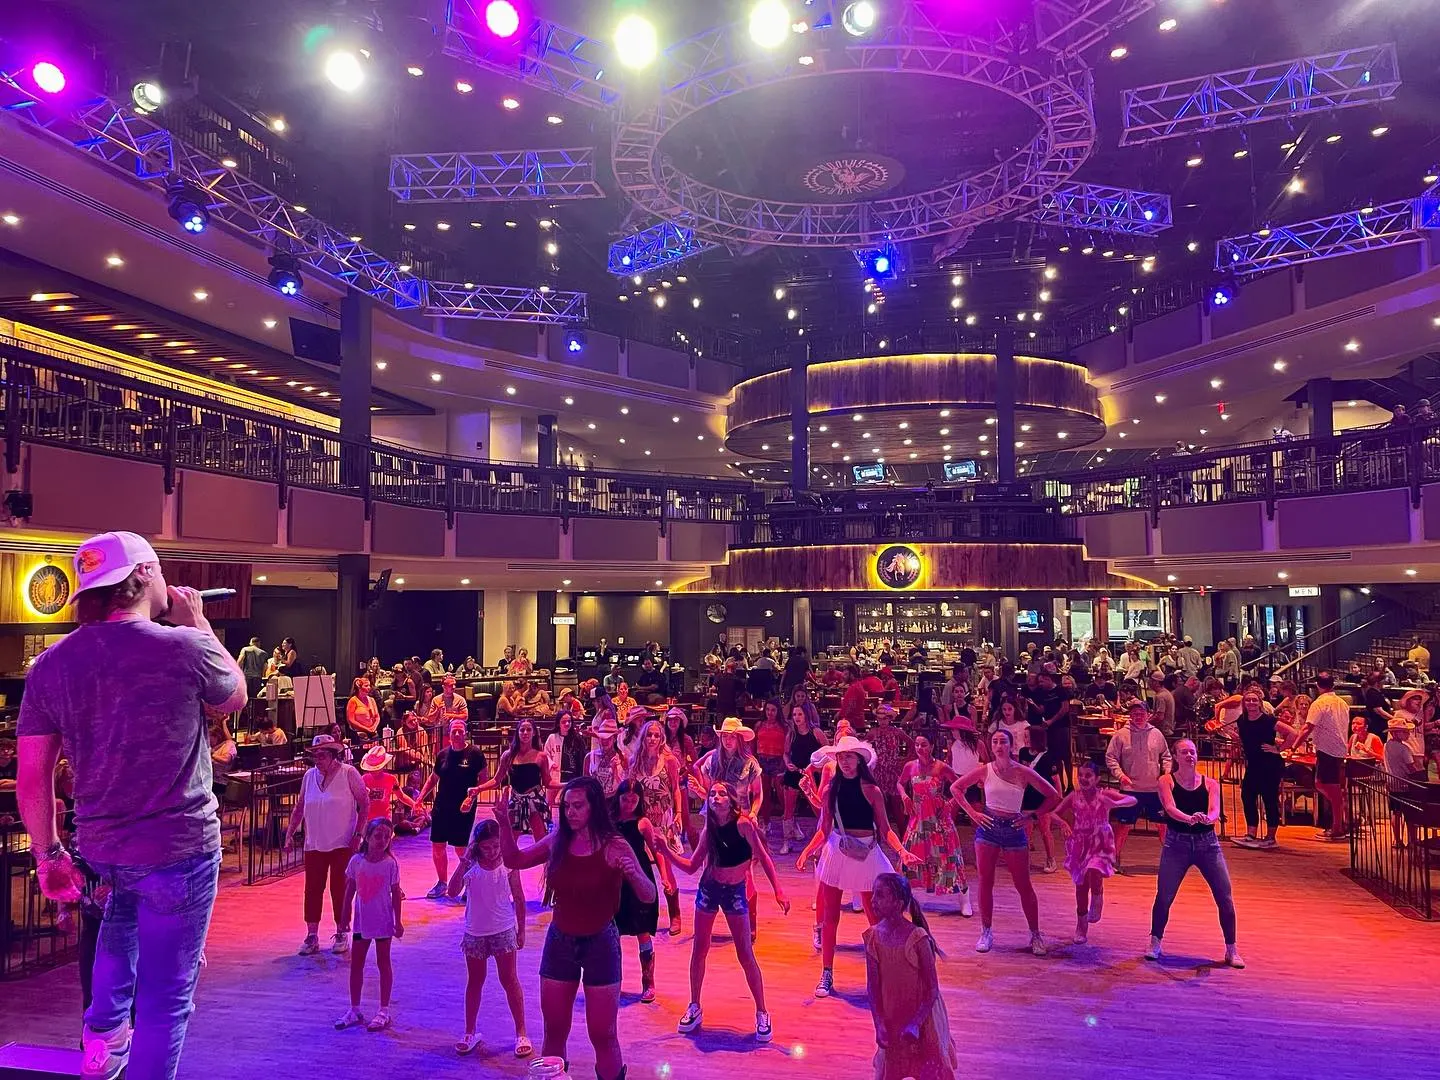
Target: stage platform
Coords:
[[1338, 986]]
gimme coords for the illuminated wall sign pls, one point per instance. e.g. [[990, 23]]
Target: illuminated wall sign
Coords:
[[47, 589], [1304, 590], [898, 567], [562, 620]]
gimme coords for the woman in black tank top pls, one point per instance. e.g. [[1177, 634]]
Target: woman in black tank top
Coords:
[[1261, 736], [1192, 803], [525, 769], [728, 845], [801, 742]]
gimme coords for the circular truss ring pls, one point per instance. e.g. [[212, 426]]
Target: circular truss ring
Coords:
[[719, 63]]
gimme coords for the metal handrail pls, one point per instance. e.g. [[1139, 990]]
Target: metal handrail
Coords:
[[1282, 669]]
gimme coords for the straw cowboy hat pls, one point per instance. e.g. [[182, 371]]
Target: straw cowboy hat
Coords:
[[376, 759], [732, 725], [960, 722], [605, 727], [675, 710], [639, 712], [325, 742], [848, 744]]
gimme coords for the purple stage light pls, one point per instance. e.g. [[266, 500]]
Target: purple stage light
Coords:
[[48, 77], [502, 18]]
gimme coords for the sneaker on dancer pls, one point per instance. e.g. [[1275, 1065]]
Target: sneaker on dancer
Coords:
[[1082, 926], [763, 1031], [1037, 944], [826, 986], [105, 1054], [987, 940], [1154, 952], [691, 1020], [1232, 957]]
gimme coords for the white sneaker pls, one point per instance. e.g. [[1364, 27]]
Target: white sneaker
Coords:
[[785, 848], [815, 940], [1154, 951], [987, 940], [691, 1020], [967, 909], [1050, 867], [763, 1031], [1037, 945], [1232, 957], [106, 1054]]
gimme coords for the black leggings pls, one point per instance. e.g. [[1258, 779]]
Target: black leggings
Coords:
[[1262, 783]]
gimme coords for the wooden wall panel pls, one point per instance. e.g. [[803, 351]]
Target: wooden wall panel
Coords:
[[19, 596], [213, 575], [947, 567]]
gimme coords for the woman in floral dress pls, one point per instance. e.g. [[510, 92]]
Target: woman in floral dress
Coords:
[[924, 788], [657, 771]]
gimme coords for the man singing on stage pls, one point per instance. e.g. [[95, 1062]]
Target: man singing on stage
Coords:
[[122, 696]]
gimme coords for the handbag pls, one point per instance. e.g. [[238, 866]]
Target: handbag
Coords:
[[852, 847]]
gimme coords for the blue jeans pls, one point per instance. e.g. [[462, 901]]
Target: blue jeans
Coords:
[[155, 922], [1178, 854]]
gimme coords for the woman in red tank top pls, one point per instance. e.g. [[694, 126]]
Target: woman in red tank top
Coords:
[[586, 861]]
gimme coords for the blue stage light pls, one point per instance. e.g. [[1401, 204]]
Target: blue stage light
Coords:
[[880, 265], [187, 206], [1221, 295], [574, 341], [284, 275]]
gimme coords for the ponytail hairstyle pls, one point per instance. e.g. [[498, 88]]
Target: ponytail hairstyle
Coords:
[[901, 888]]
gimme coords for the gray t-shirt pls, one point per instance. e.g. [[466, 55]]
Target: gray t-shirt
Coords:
[[125, 698]]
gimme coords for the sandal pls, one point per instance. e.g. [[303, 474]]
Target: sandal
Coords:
[[468, 1042], [523, 1046], [380, 1022], [310, 946]]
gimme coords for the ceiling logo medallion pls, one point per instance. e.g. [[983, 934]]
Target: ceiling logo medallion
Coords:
[[848, 176], [898, 566]]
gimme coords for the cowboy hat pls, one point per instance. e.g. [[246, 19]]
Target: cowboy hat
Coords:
[[675, 710], [325, 742], [604, 726], [376, 759], [960, 722], [638, 712], [732, 725], [848, 744], [887, 709]]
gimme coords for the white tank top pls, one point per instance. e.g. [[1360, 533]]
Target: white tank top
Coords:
[[489, 907], [1002, 798], [962, 758], [330, 812]]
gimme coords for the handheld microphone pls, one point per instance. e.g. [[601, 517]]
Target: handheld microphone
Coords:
[[216, 594]]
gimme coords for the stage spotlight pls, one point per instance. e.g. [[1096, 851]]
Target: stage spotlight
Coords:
[[501, 18], [147, 96], [636, 43], [1222, 294], [769, 24], [48, 77], [859, 18], [575, 341], [284, 275], [344, 70], [187, 206], [880, 265]]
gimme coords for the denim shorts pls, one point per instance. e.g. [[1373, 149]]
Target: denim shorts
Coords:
[[593, 959], [1147, 805], [1007, 834], [712, 896]]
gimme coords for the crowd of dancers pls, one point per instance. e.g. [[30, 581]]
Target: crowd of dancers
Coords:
[[625, 824]]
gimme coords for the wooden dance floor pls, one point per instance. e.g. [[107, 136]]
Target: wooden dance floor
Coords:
[[1338, 985]]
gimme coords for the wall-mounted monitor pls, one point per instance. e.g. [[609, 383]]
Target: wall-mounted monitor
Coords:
[[868, 474], [956, 471], [1027, 620]]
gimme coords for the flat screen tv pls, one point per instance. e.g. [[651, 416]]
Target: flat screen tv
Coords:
[[961, 470], [1027, 620], [868, 474]]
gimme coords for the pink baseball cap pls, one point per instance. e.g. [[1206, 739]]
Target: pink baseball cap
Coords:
[[108, 559]]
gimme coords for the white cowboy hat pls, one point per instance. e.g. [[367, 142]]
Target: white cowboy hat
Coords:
[[605, 727], [638, 711], [376, 759], [848, 744], [732, 725]]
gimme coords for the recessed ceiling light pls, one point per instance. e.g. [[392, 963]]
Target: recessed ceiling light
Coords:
[[435, 376], [990, 420], [201, 294], [1192, 246], [1332, 139], [591, 425], [1279, 365], [1119, 52], [1296, 186], [1411, 572], [270, 324], [1283, 574], [262, 577], [381, 365], [463, 86], [1215, 384], [1159, 399], [10, 219], [569, 401], [1194, 161], [1166, 25], [229, 162], [659, 583], [554, 119], [1241, 153], [415, 70], [1352, 346], [114, 260], [1352, 404], [1062, 434], [443, 226], [944, 431], [511, 224], [700, 438], [1378, 131], [1025, 427], [674, 419], [399, 581]]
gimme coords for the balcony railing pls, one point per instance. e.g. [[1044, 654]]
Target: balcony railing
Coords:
[[964, 522], [50, 399]]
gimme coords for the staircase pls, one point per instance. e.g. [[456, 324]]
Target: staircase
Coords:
[[1393, 647]]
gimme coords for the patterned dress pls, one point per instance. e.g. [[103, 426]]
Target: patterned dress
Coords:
[[660, 806], [1091, 845], [932, 837]]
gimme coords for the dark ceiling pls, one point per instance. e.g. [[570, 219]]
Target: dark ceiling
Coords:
[[333, 157]]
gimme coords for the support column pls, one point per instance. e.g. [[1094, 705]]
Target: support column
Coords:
[[800, 623], [1007, 620], [547, 440], [1005, 409], [800, 425], [353, 643], [1101, 630], [1321, 395], [545, 606], [357, 319]]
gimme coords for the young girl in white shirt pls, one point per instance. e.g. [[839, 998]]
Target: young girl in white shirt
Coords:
[[494, 926]]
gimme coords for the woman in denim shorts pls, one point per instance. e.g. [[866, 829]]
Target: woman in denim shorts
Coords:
[[1001, 831], [586, 861], [728, 845]]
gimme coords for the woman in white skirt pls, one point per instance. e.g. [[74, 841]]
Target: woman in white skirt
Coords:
[[852, 824]]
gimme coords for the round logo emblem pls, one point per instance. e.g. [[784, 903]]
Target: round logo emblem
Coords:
[[849, 177], [48, 590], [898, 567]]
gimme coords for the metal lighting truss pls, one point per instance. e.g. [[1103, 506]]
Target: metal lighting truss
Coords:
[[138, 147], [546, 56], [720, 62], [1106, 209], [495, 176], [1328, 237], [650, 249], [1068, 27], [1338, 80]]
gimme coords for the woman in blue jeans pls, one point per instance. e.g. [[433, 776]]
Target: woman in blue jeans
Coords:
[[1192, 803]]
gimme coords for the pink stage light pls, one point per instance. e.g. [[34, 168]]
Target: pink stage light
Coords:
[[502, 18], [48, 77]]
